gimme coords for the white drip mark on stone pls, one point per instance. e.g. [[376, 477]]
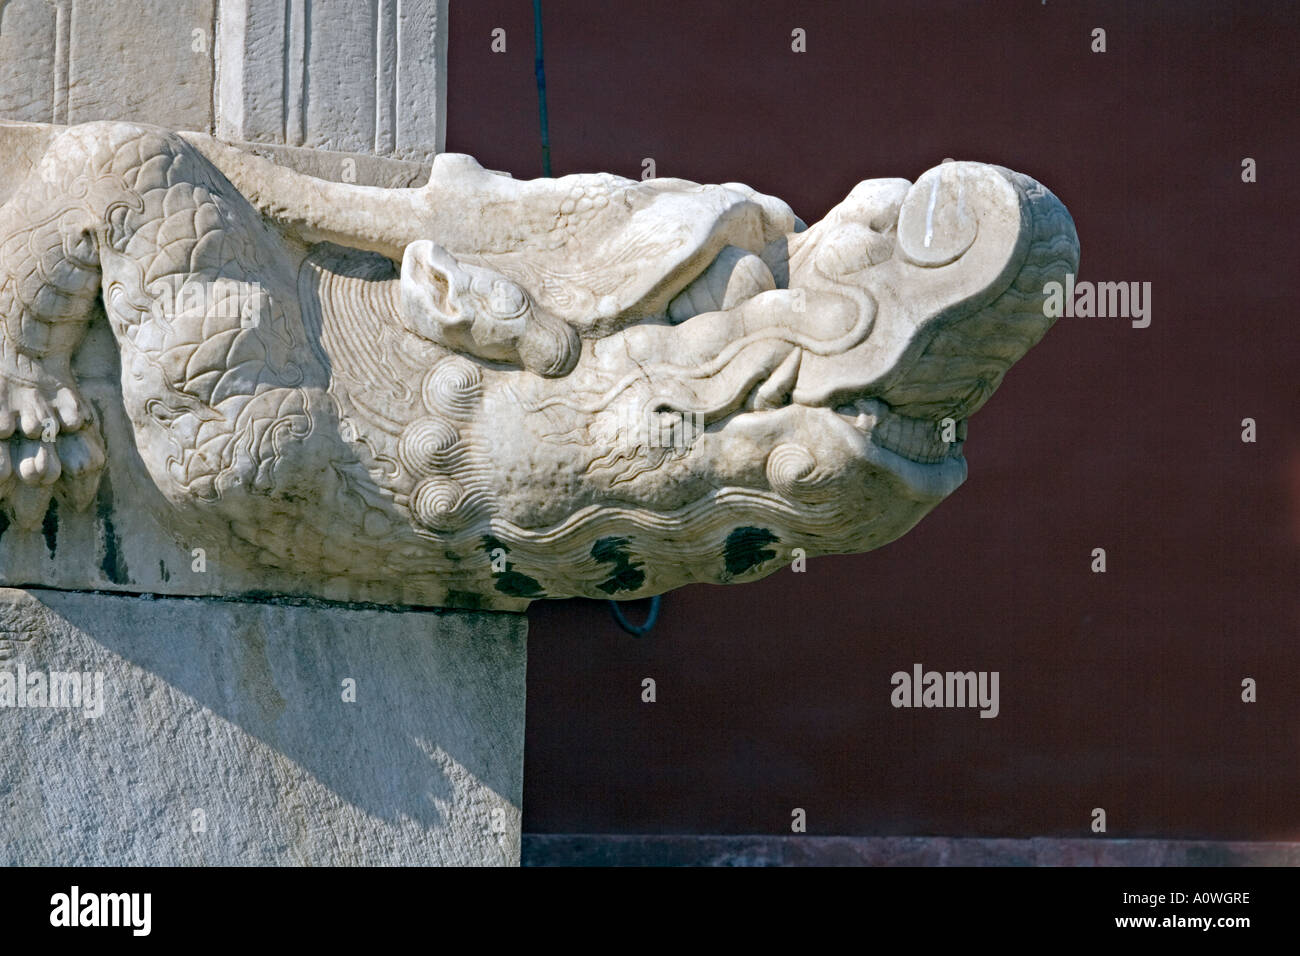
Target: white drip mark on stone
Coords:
[[929, 210]]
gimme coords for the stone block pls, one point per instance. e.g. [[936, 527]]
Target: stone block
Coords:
[[341, 75], [353, 76], [216, 732], [73, 61]]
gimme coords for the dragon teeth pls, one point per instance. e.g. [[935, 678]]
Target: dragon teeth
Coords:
[[918, 439]]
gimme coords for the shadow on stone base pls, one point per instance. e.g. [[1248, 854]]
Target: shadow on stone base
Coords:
[[224, 733]]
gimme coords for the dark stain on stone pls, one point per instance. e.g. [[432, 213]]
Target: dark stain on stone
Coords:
[[744, 549], [626, 574], [512, 582], [163, 572], [518, 584], [114, 562], [50, 527], [4, 523], [257, 678], [465, 600]]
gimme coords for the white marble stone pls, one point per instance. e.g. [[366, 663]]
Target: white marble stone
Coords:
[[483, 391]]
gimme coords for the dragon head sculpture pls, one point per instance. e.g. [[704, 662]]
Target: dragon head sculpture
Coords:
[[487, 391]]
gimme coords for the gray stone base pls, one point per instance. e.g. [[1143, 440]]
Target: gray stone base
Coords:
[[225, 737]]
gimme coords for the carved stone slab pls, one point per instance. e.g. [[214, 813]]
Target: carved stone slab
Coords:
[[352, 76]]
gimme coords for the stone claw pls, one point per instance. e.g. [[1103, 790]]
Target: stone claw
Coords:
[[29, 504], [49, 446], [40, 410]]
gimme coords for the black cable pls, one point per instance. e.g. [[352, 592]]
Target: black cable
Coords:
[[539, 67], [633, 629]]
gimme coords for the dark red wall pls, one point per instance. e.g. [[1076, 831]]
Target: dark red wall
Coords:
[[1118, 690]]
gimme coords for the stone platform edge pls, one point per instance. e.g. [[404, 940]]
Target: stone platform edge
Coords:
[[639, 850]]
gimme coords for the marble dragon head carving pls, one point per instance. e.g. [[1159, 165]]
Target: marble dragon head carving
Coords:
[[497, 390]]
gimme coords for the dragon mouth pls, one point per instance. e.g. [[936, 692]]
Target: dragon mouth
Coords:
[[917, 439], [920, 440]]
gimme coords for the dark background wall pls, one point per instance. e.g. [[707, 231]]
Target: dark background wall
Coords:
[[1119, 690]]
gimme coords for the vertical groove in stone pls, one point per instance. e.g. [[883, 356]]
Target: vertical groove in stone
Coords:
[[297, 50], [387, 52], [62, 60]]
